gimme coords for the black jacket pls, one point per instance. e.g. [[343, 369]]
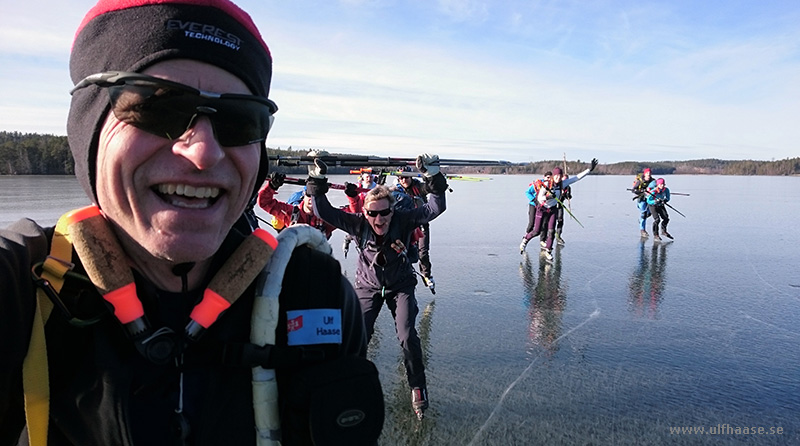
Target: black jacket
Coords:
[[103, 392], [394, 271]]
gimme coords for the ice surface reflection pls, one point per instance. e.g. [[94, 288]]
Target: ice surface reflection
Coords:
[[618, 342]]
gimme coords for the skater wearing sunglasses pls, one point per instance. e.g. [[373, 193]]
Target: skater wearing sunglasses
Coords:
[[384, 273], [129, 322]]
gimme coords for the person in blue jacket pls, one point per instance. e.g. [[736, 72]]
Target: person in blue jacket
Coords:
[[657, 197]]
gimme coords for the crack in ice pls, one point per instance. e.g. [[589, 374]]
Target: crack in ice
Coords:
[[594, 314]]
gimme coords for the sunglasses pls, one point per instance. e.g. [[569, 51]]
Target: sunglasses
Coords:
[[168, 109], [382, 212]]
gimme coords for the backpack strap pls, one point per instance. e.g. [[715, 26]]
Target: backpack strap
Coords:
[[265, 320], [35, 372]]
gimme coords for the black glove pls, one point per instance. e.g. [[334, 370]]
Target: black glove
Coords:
[[276, 180], [594, 164], [350, 190], [435, 184], [316, 186]]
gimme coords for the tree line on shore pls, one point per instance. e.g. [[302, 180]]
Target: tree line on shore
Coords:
[[38, 154]]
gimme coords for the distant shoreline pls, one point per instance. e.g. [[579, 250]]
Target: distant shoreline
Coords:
[[37, 154]]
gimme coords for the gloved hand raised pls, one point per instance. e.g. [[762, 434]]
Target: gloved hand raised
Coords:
[[350, 190], [317, 182], [594, 164], [319, 168], [428, 164], [276, 180]]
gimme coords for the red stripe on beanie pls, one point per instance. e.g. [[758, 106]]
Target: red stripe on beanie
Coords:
[[131, 35], [104, 6]]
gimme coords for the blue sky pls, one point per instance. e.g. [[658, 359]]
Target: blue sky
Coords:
[[514, 80]]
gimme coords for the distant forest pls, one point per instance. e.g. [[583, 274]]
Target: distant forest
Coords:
[[36, 154]]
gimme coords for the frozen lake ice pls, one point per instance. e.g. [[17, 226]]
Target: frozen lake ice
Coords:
[[617, 342]]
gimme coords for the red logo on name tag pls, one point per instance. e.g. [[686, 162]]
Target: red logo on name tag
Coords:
[[294, 324]]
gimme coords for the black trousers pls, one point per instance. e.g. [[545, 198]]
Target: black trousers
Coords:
[[660, 215]]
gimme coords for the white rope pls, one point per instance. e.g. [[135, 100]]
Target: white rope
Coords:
[[265, 320]]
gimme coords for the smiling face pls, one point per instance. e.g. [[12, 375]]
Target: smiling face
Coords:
[[175, 200], [379, 223]]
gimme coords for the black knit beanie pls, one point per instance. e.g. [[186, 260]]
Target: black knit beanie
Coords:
[[131, 35]]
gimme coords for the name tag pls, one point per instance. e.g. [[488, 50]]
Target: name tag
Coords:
[[317, 326]]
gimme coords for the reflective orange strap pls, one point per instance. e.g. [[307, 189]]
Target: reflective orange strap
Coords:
[[35, 371]]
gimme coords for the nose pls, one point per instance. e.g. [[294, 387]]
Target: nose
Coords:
[[198, 145]]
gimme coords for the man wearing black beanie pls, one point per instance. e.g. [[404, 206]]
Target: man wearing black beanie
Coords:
[[135, 326]]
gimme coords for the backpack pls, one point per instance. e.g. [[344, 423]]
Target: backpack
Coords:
[[355, 416], [338, 399]]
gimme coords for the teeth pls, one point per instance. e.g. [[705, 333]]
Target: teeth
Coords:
[[188, 191]]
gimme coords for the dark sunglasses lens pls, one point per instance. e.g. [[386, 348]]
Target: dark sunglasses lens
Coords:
[[382, 212], [160, 111], [239, 122], [168, 112]]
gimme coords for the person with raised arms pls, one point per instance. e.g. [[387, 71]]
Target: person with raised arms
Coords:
[[384, 273], [548, 199], [287, 214], [418, 193]]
